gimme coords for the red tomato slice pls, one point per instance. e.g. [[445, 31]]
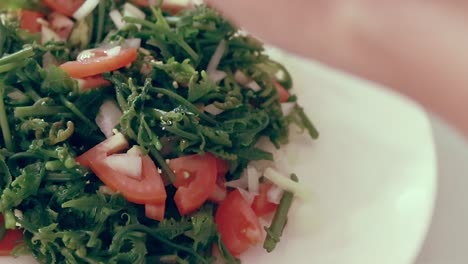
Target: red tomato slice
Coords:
[[11, 239], [282, 92], [99, 62], [149, 190], [29, 21], [66, 7], [222, 166], [114, 144], [92, 82], [237, 224], [195, 181], [155, 211], [261, 206]]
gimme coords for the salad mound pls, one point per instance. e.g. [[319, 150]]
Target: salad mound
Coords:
[[131, 133]]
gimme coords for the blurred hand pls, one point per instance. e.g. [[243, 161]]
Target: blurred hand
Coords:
[[419, 48]]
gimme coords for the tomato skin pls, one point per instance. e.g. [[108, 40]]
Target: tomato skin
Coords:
[[92, 82], [114, 144], [149, 190], [155, 211], [99, 64], [29, 22], [193, 191], [282, 92], [222, 167], [261, 206], [10, 240], [237, 224], [66, 7]]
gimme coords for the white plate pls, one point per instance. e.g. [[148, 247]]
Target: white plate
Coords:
[[372, 173]]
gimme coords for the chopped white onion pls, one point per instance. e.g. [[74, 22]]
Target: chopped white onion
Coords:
[[248, 196], [287, 108], [132, 43], [85, 9], [116, 18], [212, 109], [135, 151], [16, 95], [112, 52], [128, 165], [241, 78], [49, 60], [61, 24], [216, 58], [108, 117], [239, 183], [285, 183], [217, 76], [132, 11], [254, 86], [253, 176], [106, 190], [48, 34], [275, 194]]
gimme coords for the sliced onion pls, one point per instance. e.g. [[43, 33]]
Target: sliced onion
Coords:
[[112, 52], [135, 151], [239, 183], [16, 95], [108, 117], [61, 24], [275, 194], [130, 10], [132, 43], [106, 190], [216, 58], [254, 86], [287, 108], [241, 78], [217, 76], [253, 177], [129, 165], [48, 34], [248, 196], [212, 109], [85, 9], [285, 183], [49, 60], [116, 18]]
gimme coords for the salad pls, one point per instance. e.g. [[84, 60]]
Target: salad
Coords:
[[132, 133]]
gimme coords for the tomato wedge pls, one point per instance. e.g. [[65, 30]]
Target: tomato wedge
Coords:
[[29, 21], [10, 240], [112, 145], [195, 181], [155, 211], [261, 206], [66, 7], [149, 190], [237, 224], [99, 61], [92, 82], [282, 92]]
